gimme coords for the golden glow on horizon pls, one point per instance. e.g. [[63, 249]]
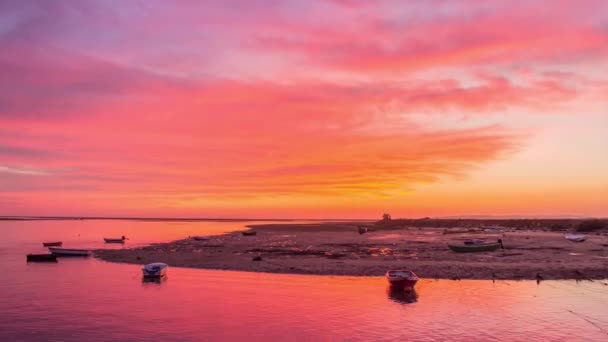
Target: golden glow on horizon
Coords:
[[285, 115]]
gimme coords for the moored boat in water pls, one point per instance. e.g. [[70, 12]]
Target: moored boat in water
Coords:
[[41, 258], [201, 238], [476, 247], [155, 270], [69, 251], [401, 279], [53, 243], [249, 233], [575, 237], [115, 240]]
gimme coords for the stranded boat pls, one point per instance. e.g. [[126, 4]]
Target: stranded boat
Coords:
[[576, 237], [249, 233], [201, 238], [476, 247], [69, 251], [155, 270], [51, 244], [401, 279], [41, 257], [115, 240]]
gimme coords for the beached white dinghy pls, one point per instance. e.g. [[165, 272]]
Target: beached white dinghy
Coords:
[[576, 237], [156, 270]]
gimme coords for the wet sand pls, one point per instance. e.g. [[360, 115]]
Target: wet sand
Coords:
[[338, 249]]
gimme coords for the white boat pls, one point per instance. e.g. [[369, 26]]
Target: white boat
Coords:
[[69, 251], [576, 237], [156, 269]]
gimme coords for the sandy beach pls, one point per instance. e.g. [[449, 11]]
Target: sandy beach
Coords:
[[532, 249]]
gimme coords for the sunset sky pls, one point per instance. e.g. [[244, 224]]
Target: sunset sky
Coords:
[[303, 109]]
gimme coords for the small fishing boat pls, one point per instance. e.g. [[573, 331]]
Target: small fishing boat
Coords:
[[155, 270], [401, 279], [478, 247], [474, 242], [51, 244], [249, 233], [115, 240], [575, 237], [201, 238], [41, 258], [69, 251]]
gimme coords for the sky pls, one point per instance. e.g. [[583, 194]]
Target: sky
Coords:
[[304, 109]]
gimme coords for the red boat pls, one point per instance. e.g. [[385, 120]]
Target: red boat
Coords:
[[52, 244], [402, 279]]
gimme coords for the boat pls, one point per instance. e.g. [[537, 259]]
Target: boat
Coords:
[[576, 237], [115, 240], [51, 244], [363, 230], [41, 257], [401, 279], [249, 233], [474, 242], [69, 251], [155, 270], [477, 247], [201, 238]]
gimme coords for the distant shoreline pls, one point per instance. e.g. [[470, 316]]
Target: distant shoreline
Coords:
[[539, 251], [70, 218]]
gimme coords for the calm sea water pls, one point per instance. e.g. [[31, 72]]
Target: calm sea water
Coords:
[[93, 300]]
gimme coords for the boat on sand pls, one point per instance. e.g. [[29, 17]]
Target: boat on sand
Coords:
[[41, 258], [155, 270], [575, 237], [115, 240], [476, 247], [53, 243], [401, 279], [69, 251]]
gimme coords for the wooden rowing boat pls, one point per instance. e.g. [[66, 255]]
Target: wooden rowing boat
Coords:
[[69, 251], [478, 247], [41, 258], [51, 244], [115, 240], [401, 279]]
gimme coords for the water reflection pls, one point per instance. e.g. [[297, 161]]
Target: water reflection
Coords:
[[402, 296]]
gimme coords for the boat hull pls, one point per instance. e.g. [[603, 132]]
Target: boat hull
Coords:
[[41, 258], [575, 237], [156, 270], [403, 280], [113, 240], [489, 247], [52, 244], [404, 284], [69, 252]]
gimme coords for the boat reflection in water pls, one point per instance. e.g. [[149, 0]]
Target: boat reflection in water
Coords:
[[401, 296]]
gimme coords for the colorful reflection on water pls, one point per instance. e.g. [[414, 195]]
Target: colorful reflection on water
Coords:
[[88, 299]]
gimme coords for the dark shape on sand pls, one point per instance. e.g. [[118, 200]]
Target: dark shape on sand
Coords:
[[249, 233], [257, 258]]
